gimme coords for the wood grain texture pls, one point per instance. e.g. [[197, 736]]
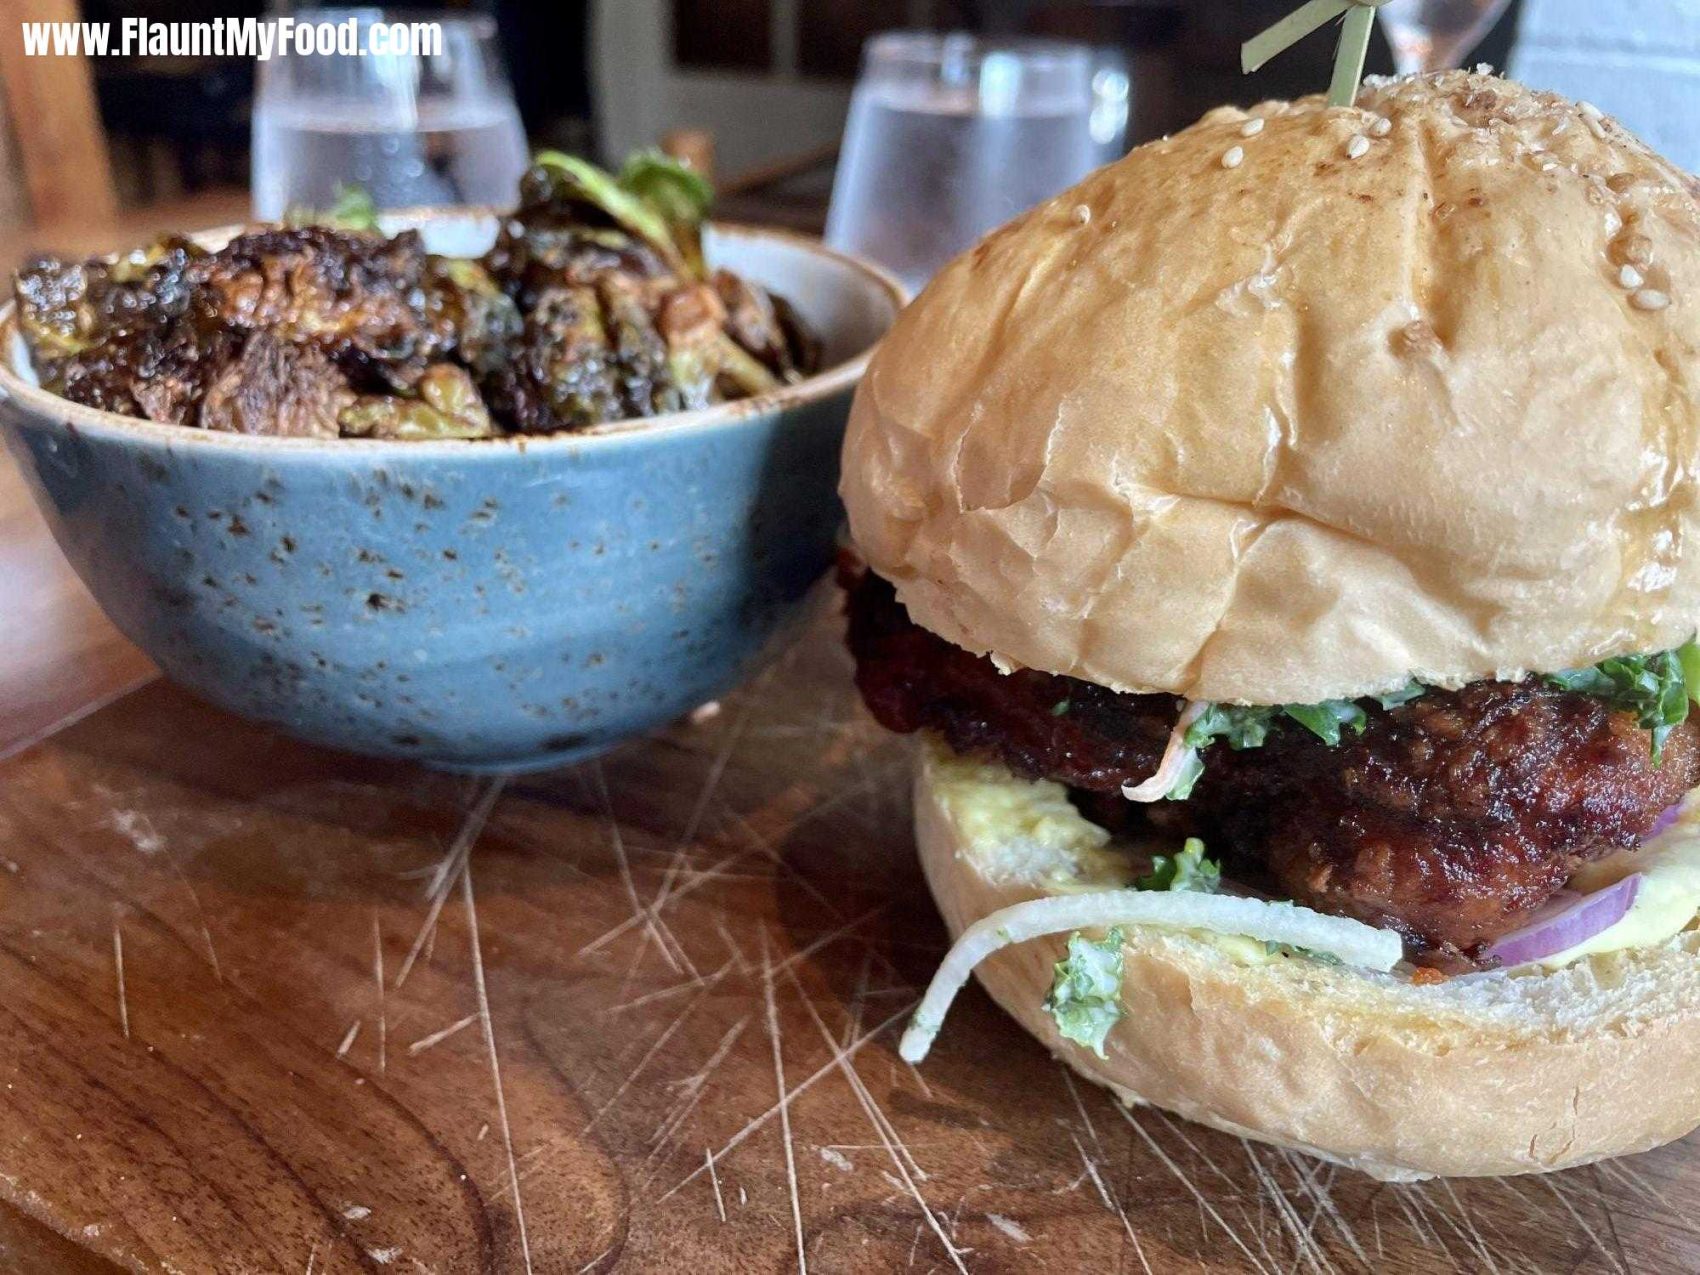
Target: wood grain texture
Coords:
[[51, 103], [694, 957], [639, 1014]]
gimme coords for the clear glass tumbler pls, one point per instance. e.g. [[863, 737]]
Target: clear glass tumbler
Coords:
[[1435, 35], [413, 128], [951, 135]]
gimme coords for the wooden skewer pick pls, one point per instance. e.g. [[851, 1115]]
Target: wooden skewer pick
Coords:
[[1348, 55]]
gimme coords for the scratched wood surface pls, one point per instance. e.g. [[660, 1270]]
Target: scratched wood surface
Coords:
[[265, 1007]]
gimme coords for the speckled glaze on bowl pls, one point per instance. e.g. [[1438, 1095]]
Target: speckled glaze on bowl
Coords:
[[492, 605]]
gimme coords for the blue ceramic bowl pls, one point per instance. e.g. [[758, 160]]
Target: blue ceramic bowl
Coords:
[[488, 605]]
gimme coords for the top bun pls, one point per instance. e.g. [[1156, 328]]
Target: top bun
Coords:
[[1305, 401]]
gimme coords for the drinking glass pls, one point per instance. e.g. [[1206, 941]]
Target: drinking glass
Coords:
[[1435, 35], [951, 135], [411, 129]]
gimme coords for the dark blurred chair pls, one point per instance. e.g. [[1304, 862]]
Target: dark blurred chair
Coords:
[[181, 124]]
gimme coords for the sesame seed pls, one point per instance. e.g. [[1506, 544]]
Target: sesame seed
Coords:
[[1630, 278], [1590, 110], [1082, 214], [1251, 128], [1234, 158], [1614, 223], [1357, 147], [1649, 299], [1381, 128], [1548, 166]]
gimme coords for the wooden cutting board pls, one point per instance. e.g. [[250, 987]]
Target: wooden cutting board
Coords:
[[265, 1007]]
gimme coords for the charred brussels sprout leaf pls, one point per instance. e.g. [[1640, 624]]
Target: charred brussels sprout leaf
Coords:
[[352, 210], [591, 185], [593, 305], [448, 406], [679, 195], [678, 192]]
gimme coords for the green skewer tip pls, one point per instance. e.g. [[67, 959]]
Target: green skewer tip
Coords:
[[1349, 55]]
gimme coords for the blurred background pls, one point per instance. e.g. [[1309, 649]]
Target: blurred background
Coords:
[[759, 93]]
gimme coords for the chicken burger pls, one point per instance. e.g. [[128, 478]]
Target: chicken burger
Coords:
[[1287, 543]]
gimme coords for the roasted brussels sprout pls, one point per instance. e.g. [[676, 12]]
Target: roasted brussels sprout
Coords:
[[593, 305]]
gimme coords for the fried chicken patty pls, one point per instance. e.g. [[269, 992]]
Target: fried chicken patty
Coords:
[[1453, 817], [1450, 818]]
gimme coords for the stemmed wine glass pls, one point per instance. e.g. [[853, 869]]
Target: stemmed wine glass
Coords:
[[1435, 35]]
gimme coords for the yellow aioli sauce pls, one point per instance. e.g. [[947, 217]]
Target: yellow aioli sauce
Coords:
[[1030, 831], [1665, 903]]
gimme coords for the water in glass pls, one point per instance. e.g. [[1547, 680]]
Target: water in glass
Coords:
[[949, 137], [410, 130], [1435, 35]]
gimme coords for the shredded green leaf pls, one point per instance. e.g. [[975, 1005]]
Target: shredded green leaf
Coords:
[[1656, 688], [1305, 953], [1411, 690], [1188, 870], [1242, 725], [1688, 654], [1192, 770], [1248, 725], [1327, 719], [1086, 993]]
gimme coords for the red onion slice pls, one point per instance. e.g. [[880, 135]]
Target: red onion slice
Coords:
[[1664, 821], [1568, 926]]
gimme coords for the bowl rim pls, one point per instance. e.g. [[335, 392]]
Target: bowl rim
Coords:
[[65, 413]]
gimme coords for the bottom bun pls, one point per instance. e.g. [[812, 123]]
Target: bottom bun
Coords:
[[1478, 1075]]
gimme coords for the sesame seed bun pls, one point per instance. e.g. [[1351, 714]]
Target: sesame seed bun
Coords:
[[1305, 401], [1487, 1074]]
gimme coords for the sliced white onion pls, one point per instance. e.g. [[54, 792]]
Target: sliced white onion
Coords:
[[1568, 925], [1352, 942], [1175, 756]]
